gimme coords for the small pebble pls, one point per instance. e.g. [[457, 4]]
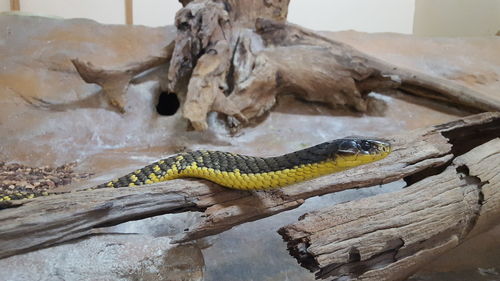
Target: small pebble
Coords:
[[19, 178]]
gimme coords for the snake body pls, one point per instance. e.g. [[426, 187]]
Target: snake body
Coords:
[[251, 173]]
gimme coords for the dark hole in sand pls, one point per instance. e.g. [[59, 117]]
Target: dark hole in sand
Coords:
[[168, 104]]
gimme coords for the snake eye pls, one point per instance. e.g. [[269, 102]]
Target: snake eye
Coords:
[[348, 147], [366, 146]]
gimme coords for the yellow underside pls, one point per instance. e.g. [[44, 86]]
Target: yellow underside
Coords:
[[238, 180]]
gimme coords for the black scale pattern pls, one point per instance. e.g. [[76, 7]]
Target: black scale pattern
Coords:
[[228, 162]]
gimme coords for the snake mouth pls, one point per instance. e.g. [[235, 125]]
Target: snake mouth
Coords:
[[382, 147]]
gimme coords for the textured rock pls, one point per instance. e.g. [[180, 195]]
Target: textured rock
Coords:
[[35, 64], [108, 257], [138, 250]]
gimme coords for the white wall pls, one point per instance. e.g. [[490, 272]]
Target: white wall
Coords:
[[457, 17], [4, 5], [361, 15], [104, 11], [155, 12], [422, 17]]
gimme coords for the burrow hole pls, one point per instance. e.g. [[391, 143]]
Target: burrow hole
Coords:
[[168, 104]]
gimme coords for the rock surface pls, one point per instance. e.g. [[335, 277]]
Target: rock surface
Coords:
[[109, 257]]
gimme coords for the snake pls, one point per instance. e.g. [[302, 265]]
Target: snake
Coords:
[[243, 172]]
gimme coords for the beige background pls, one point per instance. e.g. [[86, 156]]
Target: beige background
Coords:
[[155, 12], [421, 17], [457, 17], [100, 10], [4, 5], [360, 15]]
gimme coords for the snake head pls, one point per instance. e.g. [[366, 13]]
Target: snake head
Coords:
[[376, 148]]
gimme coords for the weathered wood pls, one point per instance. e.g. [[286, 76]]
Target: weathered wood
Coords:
[[341, 76], [55, 219], [59, 218], [245, 13], [389, 236], [202, 56], [482, 167], [366, 72]]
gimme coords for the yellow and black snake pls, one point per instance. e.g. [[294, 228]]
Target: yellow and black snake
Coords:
[[247, 172]]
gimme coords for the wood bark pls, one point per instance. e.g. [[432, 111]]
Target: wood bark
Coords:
[[389, 236], [236, 57], [46, 221]]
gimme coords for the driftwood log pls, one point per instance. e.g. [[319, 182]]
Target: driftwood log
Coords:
[[236, 57], [389, 236], [47, 221]]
